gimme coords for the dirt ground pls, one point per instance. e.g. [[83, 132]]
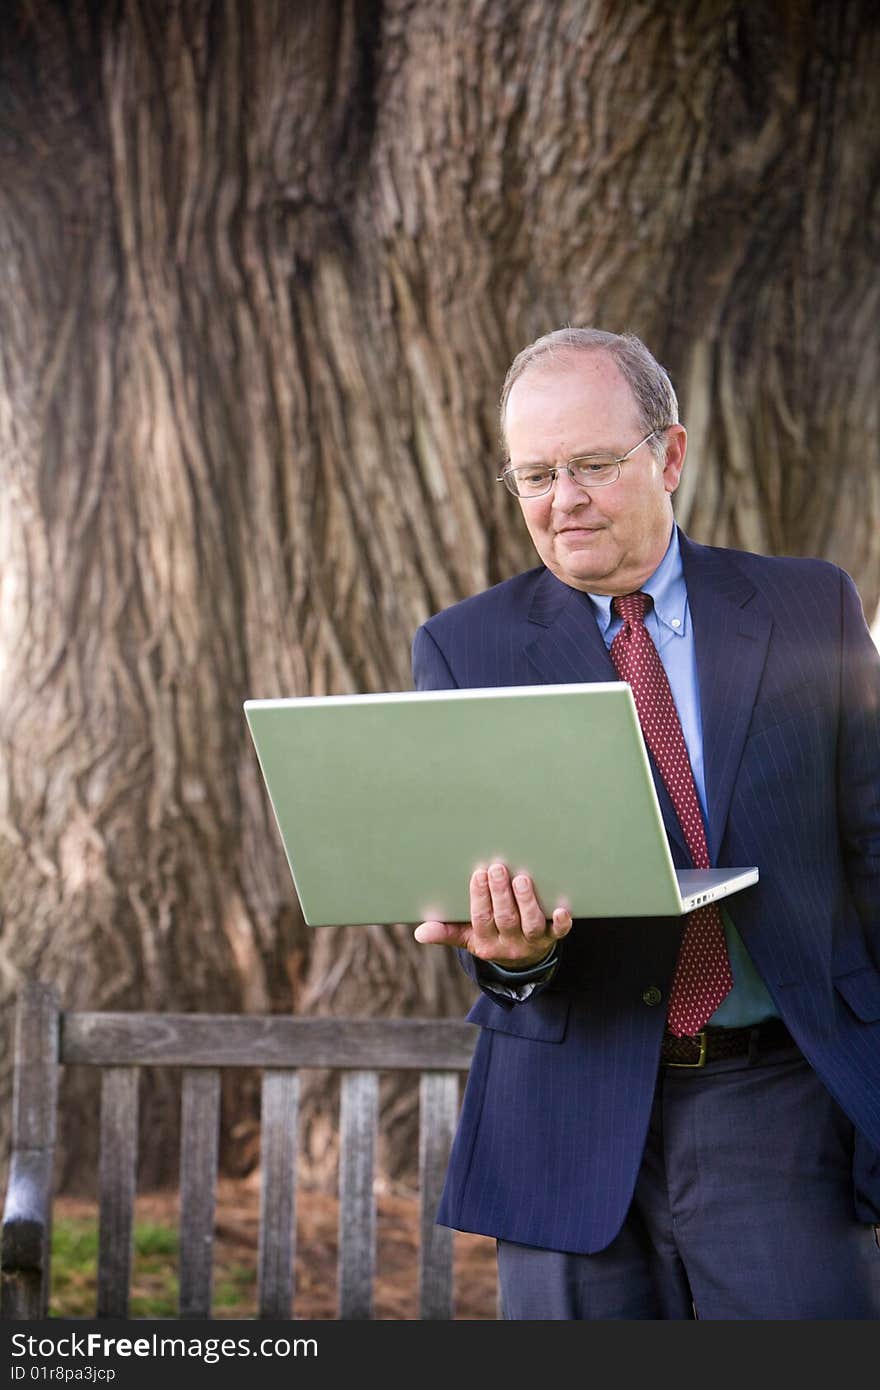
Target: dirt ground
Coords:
[[396, 1286]]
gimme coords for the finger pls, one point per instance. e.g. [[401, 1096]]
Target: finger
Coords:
[[504, 905], [531, 913], [562, 922], [482, 916], [442, 933]]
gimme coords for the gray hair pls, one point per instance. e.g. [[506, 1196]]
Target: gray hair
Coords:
[[649, 382]]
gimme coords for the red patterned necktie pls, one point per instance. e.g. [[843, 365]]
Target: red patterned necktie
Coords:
[[702, 973]]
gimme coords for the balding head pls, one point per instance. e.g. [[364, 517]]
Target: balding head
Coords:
[[653, 392]]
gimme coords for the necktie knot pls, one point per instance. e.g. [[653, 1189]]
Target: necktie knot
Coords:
[[632, 607]]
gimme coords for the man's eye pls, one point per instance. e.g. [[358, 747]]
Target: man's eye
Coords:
[[599, 469], [531, 477]]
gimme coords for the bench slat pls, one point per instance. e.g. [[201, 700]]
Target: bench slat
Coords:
[[438, 1112], [359, 1112], [199, 1143], [276, 1040], [278, 1150], [117, 1177]]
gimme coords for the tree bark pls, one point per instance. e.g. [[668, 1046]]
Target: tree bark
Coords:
[[263, 268]]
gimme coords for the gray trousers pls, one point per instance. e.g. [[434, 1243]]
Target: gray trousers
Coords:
[[743, 1210]]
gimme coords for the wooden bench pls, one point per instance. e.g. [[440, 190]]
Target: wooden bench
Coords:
[[201, 1045]]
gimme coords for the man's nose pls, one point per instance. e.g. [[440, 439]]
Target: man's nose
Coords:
[[567, 494]]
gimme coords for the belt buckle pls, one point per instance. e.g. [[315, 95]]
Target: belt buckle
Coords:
[[701, 1060]]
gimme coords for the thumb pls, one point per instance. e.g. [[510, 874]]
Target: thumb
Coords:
[[441, 933]]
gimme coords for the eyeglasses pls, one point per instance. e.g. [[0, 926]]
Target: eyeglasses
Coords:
[[588, 471]]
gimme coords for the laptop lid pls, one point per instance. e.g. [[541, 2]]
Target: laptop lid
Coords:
[[386, 803]]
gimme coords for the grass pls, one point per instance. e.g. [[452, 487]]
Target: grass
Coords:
[[155, 1261], [154, 1285]]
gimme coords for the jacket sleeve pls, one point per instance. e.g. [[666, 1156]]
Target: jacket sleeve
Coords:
[[430, 668], [858, 762]]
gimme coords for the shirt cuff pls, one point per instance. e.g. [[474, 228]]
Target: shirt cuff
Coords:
[[520, 977]]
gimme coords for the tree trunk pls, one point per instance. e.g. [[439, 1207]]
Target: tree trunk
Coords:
[[263, 268]]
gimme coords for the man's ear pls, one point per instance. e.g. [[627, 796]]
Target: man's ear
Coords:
[[676, 448]]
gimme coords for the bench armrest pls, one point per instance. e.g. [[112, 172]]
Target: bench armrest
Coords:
[[25, 1242], [27, 1212]]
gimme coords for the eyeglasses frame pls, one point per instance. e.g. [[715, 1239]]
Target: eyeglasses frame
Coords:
[[553, 470]]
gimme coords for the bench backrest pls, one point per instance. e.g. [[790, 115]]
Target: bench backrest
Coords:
[[201, 1045]]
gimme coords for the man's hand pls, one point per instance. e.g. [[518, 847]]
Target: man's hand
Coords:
[[508, 925]]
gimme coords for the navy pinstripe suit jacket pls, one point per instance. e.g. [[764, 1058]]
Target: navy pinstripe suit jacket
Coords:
[[556, 1108]]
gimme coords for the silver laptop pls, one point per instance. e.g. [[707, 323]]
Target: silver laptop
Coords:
[[385, 804]]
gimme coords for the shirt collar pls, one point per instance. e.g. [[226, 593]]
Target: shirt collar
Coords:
[[666, 587]]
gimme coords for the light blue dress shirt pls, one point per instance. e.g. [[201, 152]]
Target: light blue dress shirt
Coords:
[[670, 627]]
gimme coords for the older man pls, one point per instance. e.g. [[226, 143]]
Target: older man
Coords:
[[667, 1118]]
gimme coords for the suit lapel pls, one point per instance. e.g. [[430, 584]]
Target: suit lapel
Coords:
[[564, 643], [567, 646], [731, 632]]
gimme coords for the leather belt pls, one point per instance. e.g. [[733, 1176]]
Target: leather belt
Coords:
[[714, 1043]]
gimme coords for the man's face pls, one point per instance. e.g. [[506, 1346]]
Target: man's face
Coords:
[[610, 540]]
